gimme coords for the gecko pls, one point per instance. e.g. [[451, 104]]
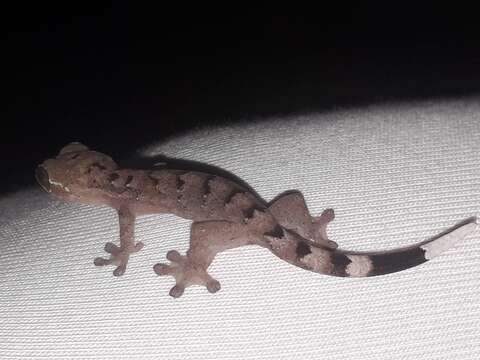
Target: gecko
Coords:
[[225, 214]]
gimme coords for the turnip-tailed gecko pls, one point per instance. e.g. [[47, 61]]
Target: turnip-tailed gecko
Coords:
[[225, 215]]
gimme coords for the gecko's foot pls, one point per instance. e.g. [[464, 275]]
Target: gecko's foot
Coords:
[[320, 224], [118, 257], [328, 215], [186, 274], [329, 244]]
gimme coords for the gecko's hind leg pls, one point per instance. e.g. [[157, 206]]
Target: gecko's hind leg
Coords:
[[291, 211], [119, 255], [207, 238]]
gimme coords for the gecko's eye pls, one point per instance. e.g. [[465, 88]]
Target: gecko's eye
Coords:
[[42, 177]]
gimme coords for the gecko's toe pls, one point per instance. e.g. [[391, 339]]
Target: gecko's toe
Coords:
[[174, 256], [162, 269], [332, 244], [328, 214], [138, 246], [120, 270], [177, 291], [213, 286], [111, 248], [99, 261]]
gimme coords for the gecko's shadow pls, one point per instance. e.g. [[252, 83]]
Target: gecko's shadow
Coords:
[[162, 161]]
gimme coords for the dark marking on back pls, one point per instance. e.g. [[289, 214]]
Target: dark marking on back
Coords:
[[303, 249], [112, 177], [276, 232], [151, 177], [340, 262], [230, 196], [249, 212], [396, 261], [98, 166], [129, 180], [74, 156], [206, 185], [179, 183]]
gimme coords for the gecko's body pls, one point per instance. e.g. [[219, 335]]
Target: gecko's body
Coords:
[[225, 215]]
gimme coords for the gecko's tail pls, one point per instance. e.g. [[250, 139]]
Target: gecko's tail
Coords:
[[361, 264]]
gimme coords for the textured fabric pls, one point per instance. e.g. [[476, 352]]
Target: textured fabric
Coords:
[[395, 174]]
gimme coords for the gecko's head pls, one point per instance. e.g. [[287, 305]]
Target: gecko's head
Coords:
[[76, 173]]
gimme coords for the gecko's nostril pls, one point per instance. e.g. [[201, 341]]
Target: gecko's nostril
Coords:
[[42, 177]]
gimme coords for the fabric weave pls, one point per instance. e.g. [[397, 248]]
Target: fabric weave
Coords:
[[395, 174]]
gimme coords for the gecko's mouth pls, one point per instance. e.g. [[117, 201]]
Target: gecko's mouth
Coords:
[[42, 178]]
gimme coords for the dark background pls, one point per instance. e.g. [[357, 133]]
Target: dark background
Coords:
[[115, 76]]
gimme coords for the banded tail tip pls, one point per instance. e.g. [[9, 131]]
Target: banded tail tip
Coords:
[[387, 262], [448, 238]]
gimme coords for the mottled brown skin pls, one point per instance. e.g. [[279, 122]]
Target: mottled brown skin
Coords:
[[225, 215]]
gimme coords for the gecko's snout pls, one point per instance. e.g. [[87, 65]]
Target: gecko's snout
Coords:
[[42, 178]]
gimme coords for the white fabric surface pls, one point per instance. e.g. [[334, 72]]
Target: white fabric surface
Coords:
[[395, 174]]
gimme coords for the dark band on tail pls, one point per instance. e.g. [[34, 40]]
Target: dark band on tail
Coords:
[[303, 249], [346, 264], [340, 263], [391, 262]]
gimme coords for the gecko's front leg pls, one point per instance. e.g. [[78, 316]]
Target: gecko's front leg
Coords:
[[119, 255]]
